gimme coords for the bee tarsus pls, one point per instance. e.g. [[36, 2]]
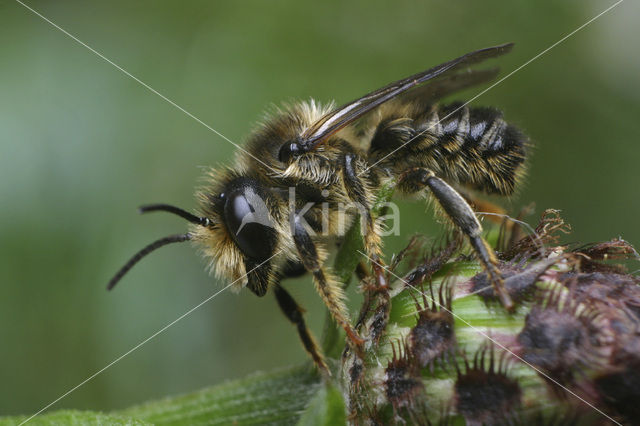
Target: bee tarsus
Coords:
[[294, 312]]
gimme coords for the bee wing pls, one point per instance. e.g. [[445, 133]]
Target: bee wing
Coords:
[[342, 116], [446, 84]]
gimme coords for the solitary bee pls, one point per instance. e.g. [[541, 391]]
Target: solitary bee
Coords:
[[272, 215]]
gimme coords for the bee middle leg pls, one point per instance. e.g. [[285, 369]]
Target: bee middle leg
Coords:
[[462, 216], [294, 312], [329, 289], [357, 192]]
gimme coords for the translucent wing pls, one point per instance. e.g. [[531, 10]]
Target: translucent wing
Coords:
[[446, 84], [448, 81]]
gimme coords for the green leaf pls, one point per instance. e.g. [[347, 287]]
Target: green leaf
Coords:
[[278, 398], [73, 417], [265, 398], [326, 408]]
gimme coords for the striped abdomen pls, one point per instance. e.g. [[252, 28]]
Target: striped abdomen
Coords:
[[474, 147]]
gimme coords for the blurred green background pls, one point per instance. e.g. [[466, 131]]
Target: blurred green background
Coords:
[[82, 145]]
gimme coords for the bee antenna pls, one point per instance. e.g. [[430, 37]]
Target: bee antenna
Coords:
[[179, 238], [202, 221]]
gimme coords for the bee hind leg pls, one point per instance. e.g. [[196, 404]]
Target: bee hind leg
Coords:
[[461, 214], [294, 312]]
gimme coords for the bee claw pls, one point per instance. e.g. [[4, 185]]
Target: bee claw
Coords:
[[506, 300], [355, 338], [500, 289], [357, 342], [324, 370]]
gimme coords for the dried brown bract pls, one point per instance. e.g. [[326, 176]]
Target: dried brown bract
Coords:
[[403, 383], [433, 336], [484, 393], [558, 336], [619, 390], [573, 343], [519, 279], [434, 261], [593, 256], [538, 244], [410, 253]]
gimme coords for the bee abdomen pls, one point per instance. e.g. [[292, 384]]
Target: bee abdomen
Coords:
[[475, 146], [480, 128]]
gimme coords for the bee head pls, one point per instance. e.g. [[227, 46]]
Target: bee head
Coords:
[[245, 240], [237, 234]]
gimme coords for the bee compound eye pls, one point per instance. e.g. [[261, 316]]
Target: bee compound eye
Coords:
[[248, 220]]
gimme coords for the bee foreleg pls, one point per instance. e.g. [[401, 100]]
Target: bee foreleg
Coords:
[[326, 286], [463, 217], [294, 312]]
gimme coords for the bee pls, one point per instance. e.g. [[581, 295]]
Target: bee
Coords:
[[273, 214]]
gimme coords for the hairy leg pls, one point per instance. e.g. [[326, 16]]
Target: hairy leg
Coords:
[[294, 312], [329, 289], [461, 214]]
